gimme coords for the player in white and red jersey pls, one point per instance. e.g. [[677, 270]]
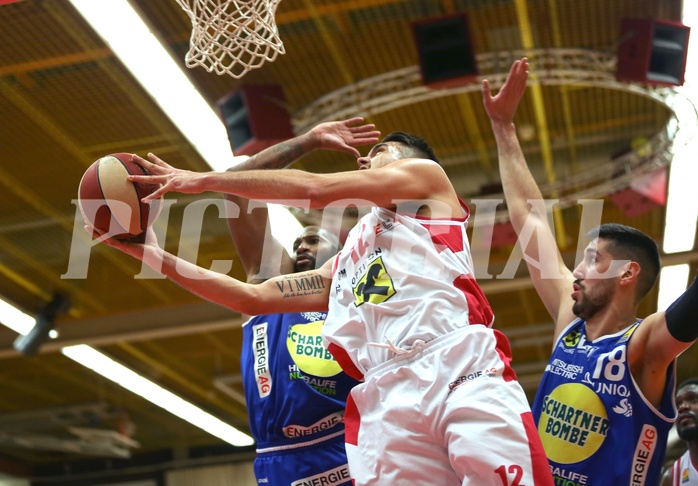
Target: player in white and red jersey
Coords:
[[429, 259], [683, 472], [439, 402]]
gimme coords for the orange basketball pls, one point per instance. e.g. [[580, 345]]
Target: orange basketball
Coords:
[[111, 203]]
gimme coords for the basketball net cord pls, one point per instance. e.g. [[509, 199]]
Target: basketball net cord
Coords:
[[232, 36]]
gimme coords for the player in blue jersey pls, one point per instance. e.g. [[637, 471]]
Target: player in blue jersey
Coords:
[[605, 403], [295, 390]]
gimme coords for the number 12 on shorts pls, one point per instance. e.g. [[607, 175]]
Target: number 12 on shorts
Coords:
[[514, 471]]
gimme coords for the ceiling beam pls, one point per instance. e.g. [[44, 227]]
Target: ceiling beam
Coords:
[[24, 68], [330, 9], [336, 53]]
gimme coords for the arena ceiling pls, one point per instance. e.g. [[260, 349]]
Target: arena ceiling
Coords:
[[66, 100]]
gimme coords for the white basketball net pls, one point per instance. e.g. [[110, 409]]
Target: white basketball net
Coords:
[[232, 36]]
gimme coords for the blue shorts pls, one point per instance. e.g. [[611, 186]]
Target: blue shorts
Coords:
[[324, 462]]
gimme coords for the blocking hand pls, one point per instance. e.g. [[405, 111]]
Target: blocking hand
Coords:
[[345, 135], [502, 107]]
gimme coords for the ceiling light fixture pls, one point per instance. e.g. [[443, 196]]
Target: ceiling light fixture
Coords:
[[150, 63], [95, 360], [10, 316], [118, 373]]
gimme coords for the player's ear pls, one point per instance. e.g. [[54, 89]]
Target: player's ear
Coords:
[[631, 273]]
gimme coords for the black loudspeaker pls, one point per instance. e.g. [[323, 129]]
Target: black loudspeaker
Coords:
[[445, 50], [652, 51], [255, 118]]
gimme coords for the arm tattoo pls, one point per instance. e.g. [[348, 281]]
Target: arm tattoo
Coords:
[[300, 284], [284, 154], [275, 157]]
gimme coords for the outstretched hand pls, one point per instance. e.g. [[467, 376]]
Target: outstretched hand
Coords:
[[169, 178], [502, 107], [345, 135]]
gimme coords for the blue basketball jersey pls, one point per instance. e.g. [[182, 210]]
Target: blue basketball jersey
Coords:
[[596, 426], [296, 394]]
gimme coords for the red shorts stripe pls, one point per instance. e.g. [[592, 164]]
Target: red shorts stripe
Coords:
[[539, 461], [352, 423], [345, 362], [504, 350]]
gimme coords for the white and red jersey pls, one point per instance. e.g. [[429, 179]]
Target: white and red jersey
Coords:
[[398, 280], [685, 473]]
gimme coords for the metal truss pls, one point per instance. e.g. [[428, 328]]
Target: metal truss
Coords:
[[549, 67]]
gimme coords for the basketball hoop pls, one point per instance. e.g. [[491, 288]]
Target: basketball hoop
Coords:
[[232, 36]]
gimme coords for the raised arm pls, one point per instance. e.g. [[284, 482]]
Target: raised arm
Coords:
[[306, 291], [250, 228], [661, 338], [552, 280]]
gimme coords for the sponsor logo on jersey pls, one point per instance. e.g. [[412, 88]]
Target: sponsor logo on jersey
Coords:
[[322, 424], [321, 385], [574, 342], [613, 389], [587, 349], [314, 316], [573, 423], [572, 339], [304, 344], [360, 270], [644, 450], [624, 408], [568, 478], [260, 351], [375, 285], [470, 377], [571, 372], [383, 226], [337, 475], [564, 369], [359, 249], [627, 334]]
